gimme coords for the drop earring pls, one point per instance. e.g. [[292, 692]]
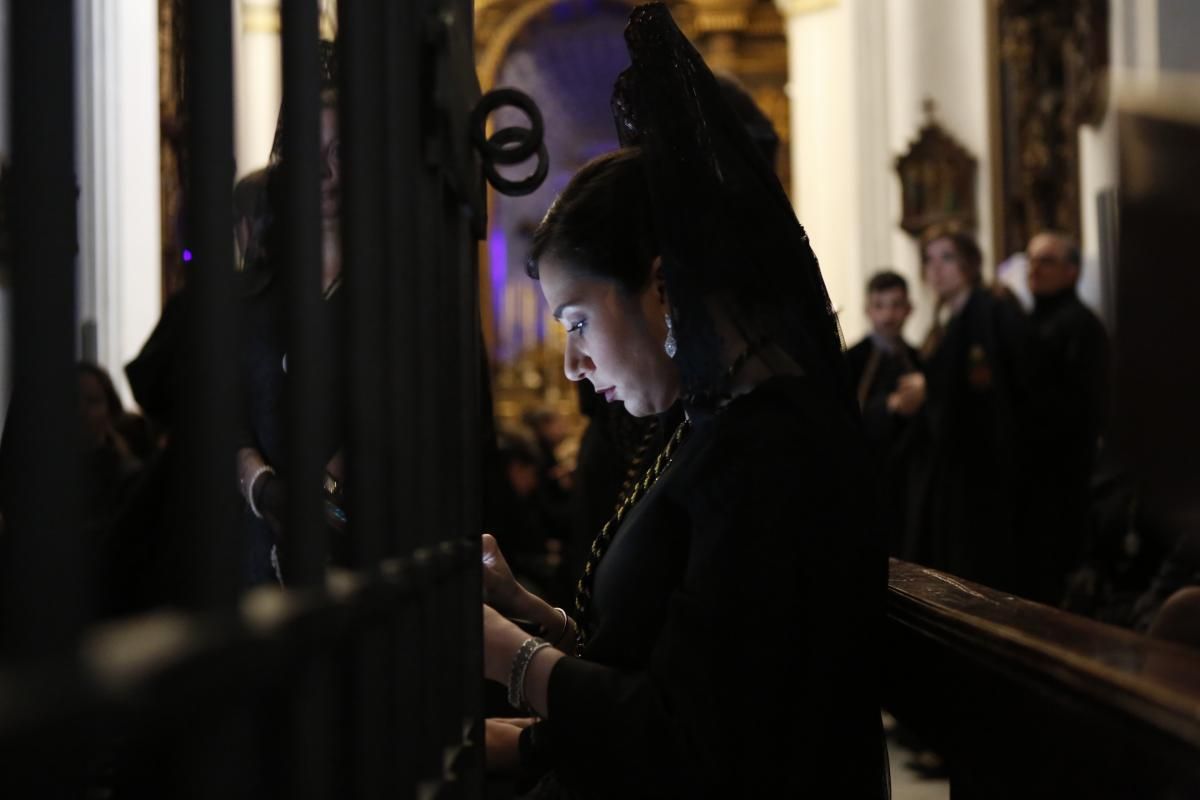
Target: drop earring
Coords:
[[670, 345]]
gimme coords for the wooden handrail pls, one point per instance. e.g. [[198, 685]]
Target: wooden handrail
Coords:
[[1025, 700]]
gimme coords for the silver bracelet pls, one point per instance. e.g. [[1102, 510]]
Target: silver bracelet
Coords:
[[265, 469], [520, 665], [566, 626]]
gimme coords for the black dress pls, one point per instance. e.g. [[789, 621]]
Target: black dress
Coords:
[[967, 488], [875, 372], [1070, 405], [732, 648], [262, 426]]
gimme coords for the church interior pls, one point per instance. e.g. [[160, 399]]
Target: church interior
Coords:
[[999, 194]]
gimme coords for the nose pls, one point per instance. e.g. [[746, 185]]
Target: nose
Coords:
[[576, 364]]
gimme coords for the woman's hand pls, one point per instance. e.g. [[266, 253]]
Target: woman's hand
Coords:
[[501, 640], [500, 588], [502, 740], [909, 395], [509, 598]]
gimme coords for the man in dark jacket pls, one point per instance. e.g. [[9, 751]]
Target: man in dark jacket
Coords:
[[884, 372], [1070, 408]]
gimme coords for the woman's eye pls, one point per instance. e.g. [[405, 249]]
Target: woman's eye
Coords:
[[576, 328]]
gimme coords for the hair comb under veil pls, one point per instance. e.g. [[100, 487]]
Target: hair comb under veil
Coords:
[[721, 215]]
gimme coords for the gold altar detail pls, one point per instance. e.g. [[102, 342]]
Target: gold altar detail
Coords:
[[937, 181], [1051, 79], [171, 140]]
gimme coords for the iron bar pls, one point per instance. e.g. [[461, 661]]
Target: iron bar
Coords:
[[44, 598], [309, 406], [373, 721], [204, 489]]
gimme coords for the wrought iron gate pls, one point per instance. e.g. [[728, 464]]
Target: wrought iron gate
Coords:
[[363, 682]]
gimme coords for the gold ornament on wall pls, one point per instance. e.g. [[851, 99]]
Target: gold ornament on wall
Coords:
[[1051, 78], [937, 180]]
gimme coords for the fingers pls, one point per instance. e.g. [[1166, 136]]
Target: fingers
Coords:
[[516, 722]]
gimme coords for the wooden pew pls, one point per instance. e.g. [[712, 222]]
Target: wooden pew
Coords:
[[1027, 701]]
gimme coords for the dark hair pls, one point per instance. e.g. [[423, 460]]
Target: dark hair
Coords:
[[964, 244], [885, 281], [602, 223], [248, 194], [115, 408], [269, 241], [1070, 247]]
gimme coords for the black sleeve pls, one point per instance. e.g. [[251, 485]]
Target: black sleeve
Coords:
[[753, 670]]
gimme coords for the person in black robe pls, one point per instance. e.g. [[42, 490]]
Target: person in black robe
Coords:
[[885, 374], [966, 488], [1070, 387], [710, 660], [262, 454]]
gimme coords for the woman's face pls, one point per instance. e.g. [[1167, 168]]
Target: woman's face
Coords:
[[944, 271], [613, 339], [330, 163]]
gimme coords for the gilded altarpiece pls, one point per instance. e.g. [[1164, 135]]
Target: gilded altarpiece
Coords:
[[1051, 78], [566, 55], [937, 181], [171, 138]]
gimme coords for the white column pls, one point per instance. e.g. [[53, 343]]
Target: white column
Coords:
[[257, 81], [825, 176], [1134, 58], [937, 49], [118, 165]]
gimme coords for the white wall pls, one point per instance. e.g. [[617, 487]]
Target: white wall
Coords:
[[120, 258], [257, 81], [825, 190], [937, 49], [859, 72]]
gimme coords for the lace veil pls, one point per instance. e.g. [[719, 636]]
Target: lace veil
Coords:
[[726, 230]]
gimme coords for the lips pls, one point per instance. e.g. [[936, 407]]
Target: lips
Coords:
[[609, 394]]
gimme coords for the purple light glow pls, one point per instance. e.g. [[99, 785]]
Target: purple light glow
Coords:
[[498, 267], [187, 255]]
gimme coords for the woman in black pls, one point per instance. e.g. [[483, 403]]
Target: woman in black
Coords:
[[965, 501], [726, 624], [263, 352]]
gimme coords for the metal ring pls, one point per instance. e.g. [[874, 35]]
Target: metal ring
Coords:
[[524, 186], [490, 149], [500, 144]]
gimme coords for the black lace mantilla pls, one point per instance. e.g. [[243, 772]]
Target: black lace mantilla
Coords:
[[726, 228]]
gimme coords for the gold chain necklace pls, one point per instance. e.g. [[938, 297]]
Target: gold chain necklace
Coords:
[[583, 590]]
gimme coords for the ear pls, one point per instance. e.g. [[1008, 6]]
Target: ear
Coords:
[[660, 284]]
